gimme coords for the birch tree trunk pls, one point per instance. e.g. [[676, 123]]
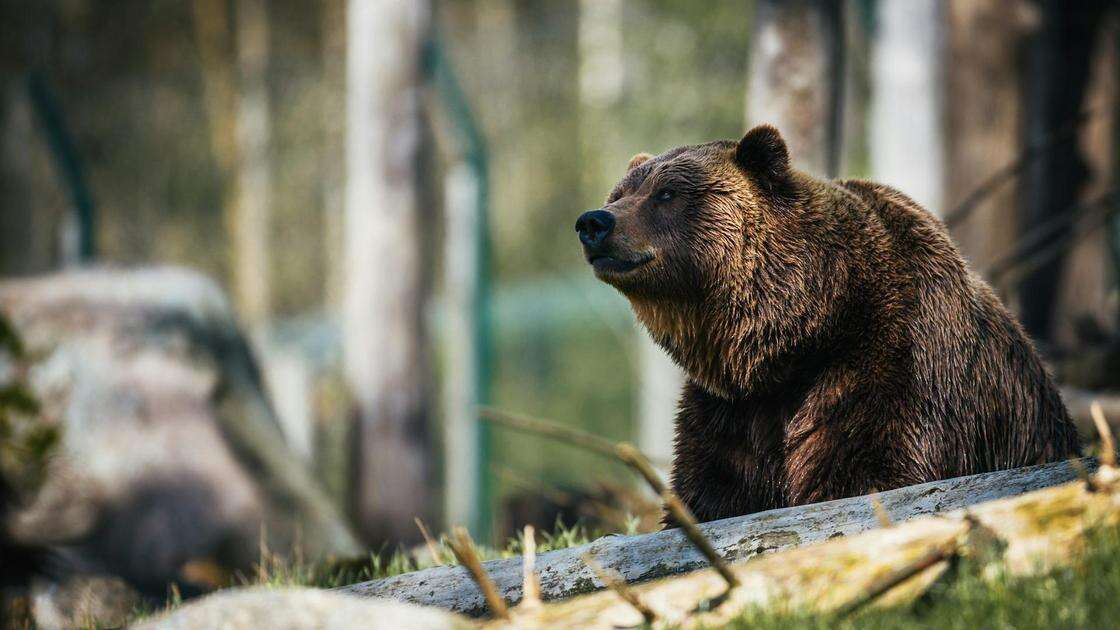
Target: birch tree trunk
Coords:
[[384, 289], [906, 136], [660, 390], [460, 418], [795, 78]]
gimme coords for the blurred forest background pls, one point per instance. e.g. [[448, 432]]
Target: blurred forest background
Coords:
[[386, 191]]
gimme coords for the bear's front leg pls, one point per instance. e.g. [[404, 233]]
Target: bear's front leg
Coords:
[[843, 447], [727, 456]]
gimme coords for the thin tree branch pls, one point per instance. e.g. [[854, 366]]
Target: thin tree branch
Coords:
[[1032, 251], [939, 553], [615, 582], [530, 583], [1108, 445], [1009, 172], [463, 547], [631, 456], [575, 437], [433, 546]]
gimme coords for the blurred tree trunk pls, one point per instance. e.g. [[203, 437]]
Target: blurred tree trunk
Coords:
[[462, 467], [983, 120], [795, 78], [332, 178], [1061, 58], [906, 137], [30, 220], [34, 203], [855, 154], [251, 263], [1085, 313], [236, 95], [383, 335], [659, 392]]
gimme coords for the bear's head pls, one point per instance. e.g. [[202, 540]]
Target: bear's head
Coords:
[[712, 245]]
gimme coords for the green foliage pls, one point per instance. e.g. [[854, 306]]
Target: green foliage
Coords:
[[594, 394], [1083, 595], [562, 537], [9, 340], [276, 570], [15, 399], [26, 441]]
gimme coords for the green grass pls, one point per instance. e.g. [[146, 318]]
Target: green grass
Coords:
[[276, 570], [1084, 595]]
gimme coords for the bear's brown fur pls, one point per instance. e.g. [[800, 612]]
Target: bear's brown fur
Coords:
[[834, 339]]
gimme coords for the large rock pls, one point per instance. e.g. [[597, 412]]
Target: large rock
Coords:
[[171, 457], [83, 601], [296, 609]]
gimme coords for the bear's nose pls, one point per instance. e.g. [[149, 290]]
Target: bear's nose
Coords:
[[594, 226]]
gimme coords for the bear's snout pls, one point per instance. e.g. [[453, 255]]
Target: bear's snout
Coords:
[[594, 227]]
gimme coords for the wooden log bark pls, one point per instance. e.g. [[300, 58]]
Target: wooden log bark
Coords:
[[1028, 534], [648, 556]]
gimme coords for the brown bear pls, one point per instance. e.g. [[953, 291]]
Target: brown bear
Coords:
[[834, 339]]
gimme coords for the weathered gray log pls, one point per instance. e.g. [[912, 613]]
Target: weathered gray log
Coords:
[[1028, 534], [644, 557]]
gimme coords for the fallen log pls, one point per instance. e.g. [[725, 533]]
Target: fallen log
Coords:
[[645, 557], [1029, 534]]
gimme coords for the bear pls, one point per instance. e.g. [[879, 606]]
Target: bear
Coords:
[[834, 340]]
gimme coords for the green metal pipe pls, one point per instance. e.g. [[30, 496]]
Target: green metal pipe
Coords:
[[67, 161], [475, 154]]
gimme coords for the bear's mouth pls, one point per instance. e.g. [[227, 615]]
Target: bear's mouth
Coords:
[[604, 263]]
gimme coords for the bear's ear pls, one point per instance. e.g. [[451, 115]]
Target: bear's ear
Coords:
[[763, 155], [638, 160]]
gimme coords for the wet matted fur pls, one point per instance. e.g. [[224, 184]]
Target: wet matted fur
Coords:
[[835, 340]]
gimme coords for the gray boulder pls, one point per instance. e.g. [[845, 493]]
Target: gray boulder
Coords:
[[171, 455], [298, 609]]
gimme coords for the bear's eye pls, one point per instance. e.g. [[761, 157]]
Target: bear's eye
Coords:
[[664, 195]]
